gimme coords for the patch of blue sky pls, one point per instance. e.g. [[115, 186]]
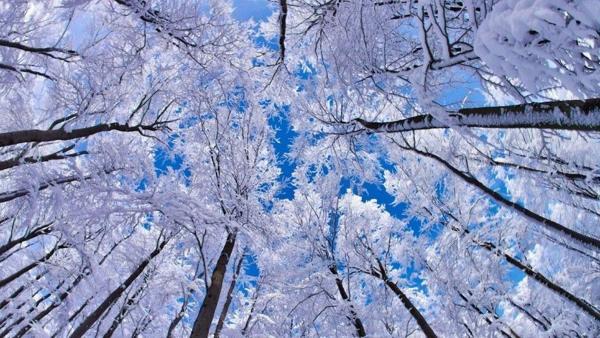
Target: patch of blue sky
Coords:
[[166, 159], [257, 10], [284, 138], [467, 92]]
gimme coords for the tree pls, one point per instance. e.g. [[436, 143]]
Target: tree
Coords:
[[346, 168]]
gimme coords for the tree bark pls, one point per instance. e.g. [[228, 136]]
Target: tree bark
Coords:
[[30, 266], [414, 312], [228, 299], [529, 271], [209, 305], [41, 230], [38, 135], [543, 221], [87, 323], [358, 325], [581, 115]]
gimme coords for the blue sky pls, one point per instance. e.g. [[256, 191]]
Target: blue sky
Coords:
[[251, 9]]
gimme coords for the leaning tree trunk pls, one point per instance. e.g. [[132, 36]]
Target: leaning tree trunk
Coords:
[[581, 115], [38, 135], [87, 323], [583, 239], [209, 305], [531, 272], [412, 309], [358, 325], [228, 299]]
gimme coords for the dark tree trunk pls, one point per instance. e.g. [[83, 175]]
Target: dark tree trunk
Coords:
[[529, 271], [87, 323], [18, 291], [177, 319], [228, 299], [540, 278], [581, 115], [46, 311], [38, 135], [252, 308], [124, 310], [412, 309], [41, 230], [59, 155], [206, 314], [358, 325], [512, 334], [30, 266], [547, 223]]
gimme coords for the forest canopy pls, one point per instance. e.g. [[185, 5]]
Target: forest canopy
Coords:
[[300, 168]]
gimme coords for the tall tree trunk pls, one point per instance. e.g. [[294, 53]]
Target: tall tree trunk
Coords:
[[11, 195], [512, 333], [540, 278], [30, 266], [20, 289], [541, 220], [412, 309], [124, 310], [209, 305], [529, 271], [582, 115], [252, 308], [38, 135], [87, 323], [228, 299], [46, 311], [41, 230], [529, 315], [358, 325]]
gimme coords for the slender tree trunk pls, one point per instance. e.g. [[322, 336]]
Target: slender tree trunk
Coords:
[[11, 195], [46, 311], [178, 318], [209, 305], [30, 266], [252, 308], [412, 309], [529, 315], [228, 299], [540, 278], [124, 310], [41, 230], [581, 115], [87, 323], [529, 271], [512, 334], [358, 325], [18, 291], [541, 220], [59, 155], [38, 135]]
